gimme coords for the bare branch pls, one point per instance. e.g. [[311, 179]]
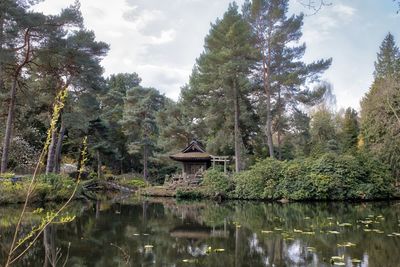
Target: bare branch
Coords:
[[314, 5]]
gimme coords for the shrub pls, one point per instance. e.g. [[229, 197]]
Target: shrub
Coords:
[[93, 175], [217, 182], [54, 187], [23, 156], [13, 192], [260, 181], [329, 177], [135, 182], [189, 194], [295, 183], [7, 175]]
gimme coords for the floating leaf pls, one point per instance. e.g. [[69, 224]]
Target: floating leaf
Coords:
[[334, 232], [346, 244], [339, 263], [148, 246], [366, 222], [337, 258], [297, 231], [189, 260], [219, 250], [344, 224], [266, 231], [367, 230], [356, 261], [309, 233], [278, 229], [311, 249]]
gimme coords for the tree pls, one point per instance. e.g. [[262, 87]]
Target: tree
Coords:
[[71, 61], [283, 74], [111, 112], [387, 62], [380, 108], [380, 126], [178, 126], [98, 142], [220, 77], [323, 130], [32, 32], [350, 130], [139, 122]]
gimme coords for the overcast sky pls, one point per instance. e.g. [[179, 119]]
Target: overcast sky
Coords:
[[160, 39]]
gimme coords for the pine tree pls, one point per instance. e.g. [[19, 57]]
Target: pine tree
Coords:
[[282, 73], [380, 108], [350, 130], [139, 122], [387, 62], [111, 112], [31, 32], [220, 80]]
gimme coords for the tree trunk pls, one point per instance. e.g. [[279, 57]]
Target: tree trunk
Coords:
[[237, 128], [9, 126], [145, 163], [99, 173], [267, 88], [279, 146], [1, 46], [280, 126], [57, 159], [51, 153]]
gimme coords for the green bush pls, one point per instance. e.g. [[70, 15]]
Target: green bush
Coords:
[[93, 175], [54, 187], [189, 194], [329, 177], [217, 182], [134, 183], [260, 181], [13, 192], [7, 175], [294, 183]]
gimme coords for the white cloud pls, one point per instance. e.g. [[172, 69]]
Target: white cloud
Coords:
[[319, 27], [344, 11], [165, 37]]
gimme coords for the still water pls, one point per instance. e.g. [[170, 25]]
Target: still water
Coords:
[[163, 232]]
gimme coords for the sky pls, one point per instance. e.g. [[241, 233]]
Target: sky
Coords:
[[160, 40]]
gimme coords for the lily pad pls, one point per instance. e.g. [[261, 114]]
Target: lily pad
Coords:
[[266, 231]]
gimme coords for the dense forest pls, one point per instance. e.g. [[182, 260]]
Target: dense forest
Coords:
[[250, 96]]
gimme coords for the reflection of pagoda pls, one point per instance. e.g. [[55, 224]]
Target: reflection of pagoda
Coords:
[[197, 231]]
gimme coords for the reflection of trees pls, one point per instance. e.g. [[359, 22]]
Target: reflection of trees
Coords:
[[178, 231], [49, 243]]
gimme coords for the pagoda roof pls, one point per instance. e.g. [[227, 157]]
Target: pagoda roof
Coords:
[[193, 152]]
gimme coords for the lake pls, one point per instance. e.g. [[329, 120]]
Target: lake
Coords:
[[164, 232]]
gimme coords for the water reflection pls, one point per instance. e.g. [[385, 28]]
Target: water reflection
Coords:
[[161, 232]]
